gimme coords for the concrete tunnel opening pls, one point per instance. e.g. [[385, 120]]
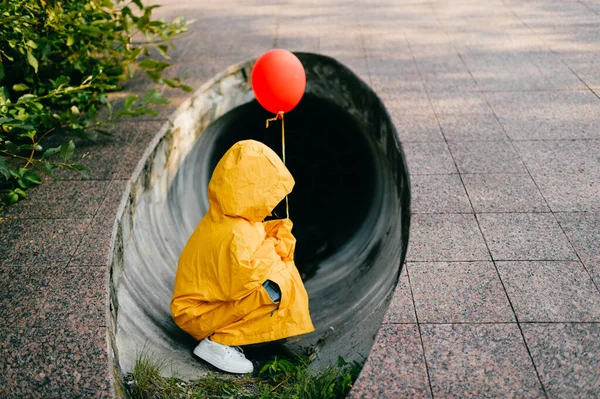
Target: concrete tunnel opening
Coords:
[[331, 162], [350, 207]]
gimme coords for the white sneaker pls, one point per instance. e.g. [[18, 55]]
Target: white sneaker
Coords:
[[226, 358]]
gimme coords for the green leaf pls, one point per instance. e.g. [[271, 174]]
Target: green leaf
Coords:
[[129, 101], [32, 177], [4, 97], [51, 151], [25, 127], [32, 60], [91, 136], [187, 88], [4, 169], [13, 198], [90, 30], [25, 97], [31, 44], [35, 147], [79, 167], [12, 147], [92, 113], [148, 64], [46, 167], [70, 40], [154, 97], [20, 192], [20, 87], [22, 183], [67, 150]]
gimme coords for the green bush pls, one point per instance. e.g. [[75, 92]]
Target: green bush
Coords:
[[58, 62]]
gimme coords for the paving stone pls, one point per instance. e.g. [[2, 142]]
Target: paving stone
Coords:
[[547, 115], [468, 12], [584, 65], [94, 248], [39, 241], [570, 193], [566, 171], [107, 212], [458, 102], [53, 363], [428, 158], [565, 105], [446, 237], [553, 12], [22, 295], [471, 127], [61, 200], [401, 309], [444, 72], [457, 292], [133, 155], [395, 367], [583, 231], [412, 128], [403, 102], [520, 71], [550, 291], [392, 63], [456, 82], [503, 193], [438, 194], [126, 137], [406, 94], [585, 34], [479, 360], [567, 357], [502, 35], [561, 157], [76, 297], [550, 128], [525, 236], [95, 245], [486, 157], [434, 66]]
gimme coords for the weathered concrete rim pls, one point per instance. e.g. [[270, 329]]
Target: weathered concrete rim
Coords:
[[130, 193]]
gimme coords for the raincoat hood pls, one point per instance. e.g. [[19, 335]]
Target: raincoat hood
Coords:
[[248, 182]]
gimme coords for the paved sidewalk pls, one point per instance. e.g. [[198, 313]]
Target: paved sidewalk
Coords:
[[498, 109]]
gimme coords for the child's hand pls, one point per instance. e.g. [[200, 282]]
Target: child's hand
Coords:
[[281, 229]]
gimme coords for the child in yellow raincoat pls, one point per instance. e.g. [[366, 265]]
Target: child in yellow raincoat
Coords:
[[236, 282]]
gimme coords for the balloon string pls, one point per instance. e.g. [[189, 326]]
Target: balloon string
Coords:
[[280, 116]]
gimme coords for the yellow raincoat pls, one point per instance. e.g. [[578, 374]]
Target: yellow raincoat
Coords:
[[218, 287]]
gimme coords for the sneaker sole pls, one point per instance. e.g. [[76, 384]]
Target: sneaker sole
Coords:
[[207, 357]]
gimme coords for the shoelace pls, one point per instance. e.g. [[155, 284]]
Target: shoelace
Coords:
[[239, 351], [235, 351]]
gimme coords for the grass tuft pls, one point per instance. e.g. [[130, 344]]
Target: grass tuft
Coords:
[[278, 378]]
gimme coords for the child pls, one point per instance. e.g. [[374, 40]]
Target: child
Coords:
[[236, 282]]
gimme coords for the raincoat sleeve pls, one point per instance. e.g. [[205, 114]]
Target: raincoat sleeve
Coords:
[[285, 242], [251, 261]]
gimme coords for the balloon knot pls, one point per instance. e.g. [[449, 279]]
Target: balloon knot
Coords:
[[278, 116]]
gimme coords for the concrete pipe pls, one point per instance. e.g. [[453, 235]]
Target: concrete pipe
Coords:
[[350, 207]]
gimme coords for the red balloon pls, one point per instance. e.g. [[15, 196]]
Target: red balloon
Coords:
[[278, 80]]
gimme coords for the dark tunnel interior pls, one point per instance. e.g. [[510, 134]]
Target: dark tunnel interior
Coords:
[[332, 165]]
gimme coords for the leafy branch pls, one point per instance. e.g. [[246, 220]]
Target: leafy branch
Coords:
[[58, 62]]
